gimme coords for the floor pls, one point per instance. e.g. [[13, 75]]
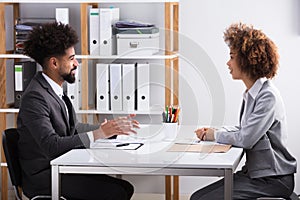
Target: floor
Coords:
[[138, 196], [155, 197]]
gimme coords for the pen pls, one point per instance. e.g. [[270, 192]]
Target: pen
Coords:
[[123, 144], [202, 138]]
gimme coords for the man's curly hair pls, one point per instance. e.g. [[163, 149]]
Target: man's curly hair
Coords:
[[257, 55], [51, 39]]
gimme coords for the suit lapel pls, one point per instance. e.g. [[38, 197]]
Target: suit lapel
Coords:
[[242, 111], [46, 85]]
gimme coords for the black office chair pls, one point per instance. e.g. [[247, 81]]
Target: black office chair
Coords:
[[10, 139]]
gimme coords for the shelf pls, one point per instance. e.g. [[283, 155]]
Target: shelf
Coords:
[[3, 164], [89, 1], [9, 110], [159, 56], [13, 56], [151, 112]]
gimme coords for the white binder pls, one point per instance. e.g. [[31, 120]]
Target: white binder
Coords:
[[73, 95], [108, 16], [74, 90], [102, 87], [116, 86], [143, 87], [128, 86], [62, 15], [94, 31]]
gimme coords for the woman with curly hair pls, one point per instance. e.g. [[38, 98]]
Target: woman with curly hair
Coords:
[[262, 131]]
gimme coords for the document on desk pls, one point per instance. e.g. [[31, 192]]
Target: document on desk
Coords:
[[199, 146], [187, 141], [117, 144]]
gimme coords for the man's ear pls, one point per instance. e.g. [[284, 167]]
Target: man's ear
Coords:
[[53, 63]]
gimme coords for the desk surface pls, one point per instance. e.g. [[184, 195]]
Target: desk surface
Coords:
[[153, 154]]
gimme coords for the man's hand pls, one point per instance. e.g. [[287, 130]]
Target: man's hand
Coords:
[[205, 134], [118, 126]]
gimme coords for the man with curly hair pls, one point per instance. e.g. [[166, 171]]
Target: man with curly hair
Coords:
[[47, 122], [269, 168]]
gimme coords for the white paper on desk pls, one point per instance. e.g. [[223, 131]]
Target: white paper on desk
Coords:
[[130, 146], [187, 141], [103, 145], [203, 147], [133, 144]]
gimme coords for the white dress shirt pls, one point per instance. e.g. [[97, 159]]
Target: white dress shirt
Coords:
[[59, 91]]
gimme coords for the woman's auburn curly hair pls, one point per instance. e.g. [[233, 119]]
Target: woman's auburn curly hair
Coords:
[[51, 39], [257, 55]]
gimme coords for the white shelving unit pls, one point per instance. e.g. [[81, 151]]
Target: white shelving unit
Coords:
[[89, 1], [158, 56], [169, 57], [151, 112]]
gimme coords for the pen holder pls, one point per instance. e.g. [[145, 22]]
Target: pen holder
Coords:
[[170, 131]]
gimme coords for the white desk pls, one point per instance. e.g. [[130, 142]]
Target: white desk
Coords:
[[150, 159]]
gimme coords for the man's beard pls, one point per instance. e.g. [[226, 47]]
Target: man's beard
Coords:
[[70, 78]]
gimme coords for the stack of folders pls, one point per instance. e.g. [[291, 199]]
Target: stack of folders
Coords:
[[102, 39], [23, 28], [123, 87], [22, 31]]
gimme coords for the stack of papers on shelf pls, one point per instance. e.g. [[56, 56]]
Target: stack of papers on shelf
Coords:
[[23, 29], [119, 144], [132, 24]]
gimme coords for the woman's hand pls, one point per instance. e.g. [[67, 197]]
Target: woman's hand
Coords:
[[205, 134]]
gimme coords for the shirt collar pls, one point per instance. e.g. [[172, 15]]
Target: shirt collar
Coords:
[[56, 88], [256, 87]]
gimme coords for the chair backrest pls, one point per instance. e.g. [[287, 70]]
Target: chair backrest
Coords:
[[10, 139]]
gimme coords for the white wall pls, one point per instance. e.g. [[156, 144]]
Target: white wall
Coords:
[[208, 95], [204, 22]]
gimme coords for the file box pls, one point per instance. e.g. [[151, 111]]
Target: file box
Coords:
[[137, 44]]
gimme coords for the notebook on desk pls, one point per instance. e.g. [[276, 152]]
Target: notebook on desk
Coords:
[[116, 144], [199, 147]]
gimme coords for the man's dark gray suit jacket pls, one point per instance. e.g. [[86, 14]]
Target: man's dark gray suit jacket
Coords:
[[45, 134]]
